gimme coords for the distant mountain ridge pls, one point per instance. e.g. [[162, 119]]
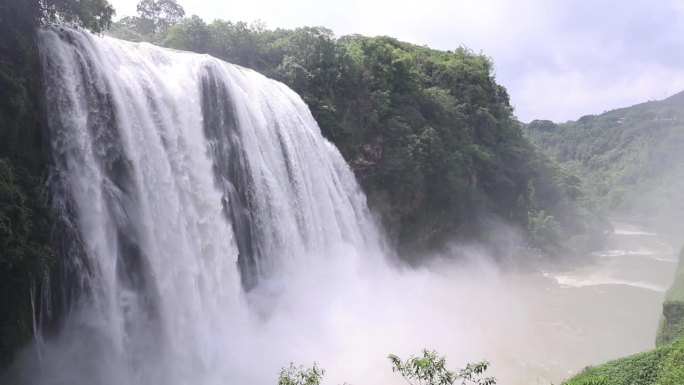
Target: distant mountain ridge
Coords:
[[631, 159]]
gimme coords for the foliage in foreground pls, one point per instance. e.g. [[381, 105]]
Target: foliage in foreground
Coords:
[[427, 369], [661, 366], [298, 375], [430, 369]]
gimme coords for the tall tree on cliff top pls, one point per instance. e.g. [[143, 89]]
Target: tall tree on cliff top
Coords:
[[95, 15], [162, 13], [154, 21]]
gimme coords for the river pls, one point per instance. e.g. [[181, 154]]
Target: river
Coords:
[[600, 311]]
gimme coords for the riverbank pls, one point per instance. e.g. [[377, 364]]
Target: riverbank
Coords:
[[661, 366]]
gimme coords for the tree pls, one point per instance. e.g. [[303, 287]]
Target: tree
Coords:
[[235, 42], [430, 134], [297, 375], [95, 15], [133, 28], [190, 34], [430, 369], [162, 13]]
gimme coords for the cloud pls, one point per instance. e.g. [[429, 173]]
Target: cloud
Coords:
[[559, 60], [568, 95], [606, 54]]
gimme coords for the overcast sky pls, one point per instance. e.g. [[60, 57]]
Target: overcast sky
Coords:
[[559, 59]]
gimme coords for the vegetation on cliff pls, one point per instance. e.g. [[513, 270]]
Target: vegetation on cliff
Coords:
[[430, 134], [427, 369], [661, 366], [26, 257], [672, 321]]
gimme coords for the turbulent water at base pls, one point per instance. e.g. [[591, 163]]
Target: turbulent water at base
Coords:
[[178, 172]]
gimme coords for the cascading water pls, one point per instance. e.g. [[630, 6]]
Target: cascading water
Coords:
[[177, 166]]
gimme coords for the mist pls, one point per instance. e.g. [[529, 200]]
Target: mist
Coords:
[[532, 324]]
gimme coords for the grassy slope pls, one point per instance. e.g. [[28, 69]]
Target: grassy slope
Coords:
[[661, 366]]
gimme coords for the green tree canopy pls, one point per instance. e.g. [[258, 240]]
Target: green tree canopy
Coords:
[[162, 13], [430, 133], [95, 15]]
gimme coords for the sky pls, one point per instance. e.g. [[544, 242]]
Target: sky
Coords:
[[559, 60]]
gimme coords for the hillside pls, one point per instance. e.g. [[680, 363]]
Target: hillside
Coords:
[[429, 133], [630, 159]]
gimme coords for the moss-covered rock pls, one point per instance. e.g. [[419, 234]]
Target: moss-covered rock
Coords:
[[672, 320]]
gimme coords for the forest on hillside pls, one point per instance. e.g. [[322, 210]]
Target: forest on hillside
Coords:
[[630, 158], [430, 134]]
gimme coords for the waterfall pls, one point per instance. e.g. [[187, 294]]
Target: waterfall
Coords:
[[186, 185]]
